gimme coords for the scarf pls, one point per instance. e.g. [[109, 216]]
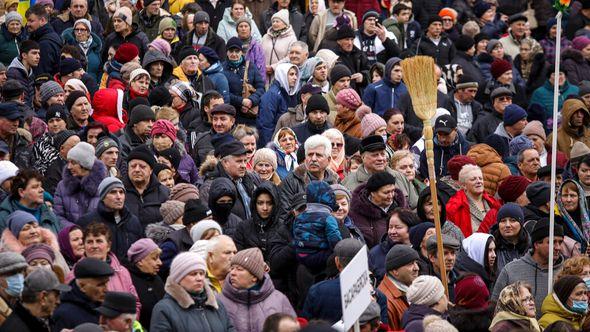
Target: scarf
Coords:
[[580, 235], [477, 215], [85, 46], [402, 287], [277, 33], [63, 238]]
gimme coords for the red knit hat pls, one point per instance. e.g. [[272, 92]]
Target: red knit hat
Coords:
[[455, 164], [164, 127], [471, 293], [512, 187], [349, 99], [499, 67], [126, 53]]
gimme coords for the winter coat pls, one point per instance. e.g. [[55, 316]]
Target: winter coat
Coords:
[[322, 302], [75, 308], [576, 68], [357, 62], [277, 47], [296, 20], [149, 24], [549, 47], [458, 210], [509, 321], [179, 311], [471, 320], [273, 104], [466, 263], [213, 41], [74, 196], [543, 96], [176, 242], [319, 29], [372, 221], [54, 174], [235, 79], [484, 126], [51, 43], [46, 218], [383, 94], [124, 232], [293, 116], [413, 124], [44, 153], [442, 53], [494, 29], [397, 303], [93, 55], [108, 109], [404, 34], [227, 28], [66, 21], [537, 74], [247, 309], [442, 154], [511, 44], [137, 38], [256, 56], [215, 13], [150, 289], [153, 56], [555, 311], [447, 227], [9, 44], [413, 317], [375, 49], [566, 135], [201, 146], [507, 252], [146, 206], [517, 85], [128, 141], [215, 74], [493, 169], [347, 122], [377, 256], [16, 71], [470, 67], [282, 170], [528, 270], [22, 320], [305, 130]]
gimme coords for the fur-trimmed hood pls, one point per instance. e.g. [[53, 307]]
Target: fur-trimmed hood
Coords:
[[183, 298], [9, 242], [88, 184], [573, 54]]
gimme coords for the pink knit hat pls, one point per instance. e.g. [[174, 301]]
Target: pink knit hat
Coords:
[[165, 127], [162, 46], [535, 127], [185, 263], [370, 122], [140, 249], [349, 99]]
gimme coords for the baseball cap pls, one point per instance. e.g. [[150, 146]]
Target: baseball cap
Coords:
[[43, 280], [445, 124]]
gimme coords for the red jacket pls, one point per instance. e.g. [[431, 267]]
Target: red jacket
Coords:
[[108, 109], [458, 212]]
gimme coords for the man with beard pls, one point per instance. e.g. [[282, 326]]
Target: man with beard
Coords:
[[317, 111], [203, 35], [319, 77]]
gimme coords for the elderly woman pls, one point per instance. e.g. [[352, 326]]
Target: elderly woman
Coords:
[[88, 43], [468, 207], [277, 40], [576, 266], [264, 163], [285, 146], [403, 162], [144, 265], [228, 25], [249, 294], [248, 136], [77, 192], [251, 47], [568, 302], [12, 32], [80, 109], [338, 160], [71, 244], [167, 30], [189, 303], [515, 309], [530, 63], [345, 223], [348, 102], [574, 212], [372, 204]]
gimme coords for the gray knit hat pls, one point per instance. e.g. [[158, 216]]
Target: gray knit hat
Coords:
[[11, 262], [341, 190], [103, 144], [84, 154], [13, 16], [107, 184], [49, 89], [400, 255]]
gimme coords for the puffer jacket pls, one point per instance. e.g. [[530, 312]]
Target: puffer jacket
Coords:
[[316, 229], [235, 79], [576, 68], [371, 220], [493, 169], [442, 154], [384, 94], [93, 54], [16, 70], [50, 43], [296, 20], [277, 47], [74, 196], [146, 206], [227, 28], [555, 311], [9, 44], [458, 210], [248, 308], [566, 135], [348, 123], [108, 109]]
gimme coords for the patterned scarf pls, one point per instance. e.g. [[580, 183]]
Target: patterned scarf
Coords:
[[477, 215], [85, 46], [580, 235]]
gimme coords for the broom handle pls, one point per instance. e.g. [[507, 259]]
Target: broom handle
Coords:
[[429, 145]]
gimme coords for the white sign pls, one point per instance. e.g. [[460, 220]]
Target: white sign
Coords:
[[355, 288]]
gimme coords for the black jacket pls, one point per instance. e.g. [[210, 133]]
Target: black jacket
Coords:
[[147, 205], [484, 126], [537, 75], [215, 13], [442, 53], [178, 241], [50, 44], [306, 129], [124, 233], [213, 41], [357, 62], [21, 320], [76, 308], [413, 123], [137, 37], [54, 175], [150, 289], [470, 67]]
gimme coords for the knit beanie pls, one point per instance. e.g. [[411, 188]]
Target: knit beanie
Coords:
[[124, 13], [209, 53], [538, 193], [349, 99], [104, 143], [126, 52], [317, 103], [282, 15], [564, 287], [17, 220], [492, 43], [432, 19], [136, 73], [194, 212], [541, 230], [185, 263], [580, 42], [144, 154], [7, 170], [464, 43], [512, 187], [183, 192], [519, 143], [166, 23], [417, 234], [171, 211], [400, 255], [339, 71], [344, 32], [535, 127], [510, 210], [164, 127], [161, 45], [49, 89], [173, 155], [471, 292], [251, 259], [69, 65], [38, 251], [201, 16], [107, 184], [340, 190], [60, 138], [266, 155], [128, 68], [72, 97], [379, 180], [140, 113], [425, 290], [202, 227], [160, 96], [243, 19], [140, 249], [84, 154], [498, 143], [138, 101], [513, 113], [11, 262], [480, 8], [370, 123], [13, 16], [455, 164], [499, 67], [85, 22]]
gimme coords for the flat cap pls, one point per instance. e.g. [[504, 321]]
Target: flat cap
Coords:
[[90, 267], [448, 242]]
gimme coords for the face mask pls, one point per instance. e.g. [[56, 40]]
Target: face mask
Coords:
[[16, 284], [222, 210], [587, 281], [580, 307]]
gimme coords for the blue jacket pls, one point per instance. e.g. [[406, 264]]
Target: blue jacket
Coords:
[[235, 79], [316, 229], [443, 154], [377, 257], [50, 44], [93, 60], [384, 94], [216, 75], [273, 104], [543, 96]]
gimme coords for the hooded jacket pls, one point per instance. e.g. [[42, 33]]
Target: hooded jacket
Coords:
[[76, 196], [50, 43], [108, 109], [227, 28], [384, 94], [153, 56], [146, 206], [16, 71], [576, 68], [215, 74], [472, 258], [442, 155], [493, 169], [507, 252], [413, 317], [93, 55], [248, 308], [566, 134], [484, 126], [555, 311]]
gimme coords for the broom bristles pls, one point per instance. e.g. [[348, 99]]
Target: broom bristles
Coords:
[[420, 79]]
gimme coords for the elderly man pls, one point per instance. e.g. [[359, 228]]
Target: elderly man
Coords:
[[111, 211], [12, 267], [223, 118], [528, 163], [516, 33], [88, 291], [19, 149], [117, 312], [450, 248], [232, 165], [39, 298], [50, 42], [485, 125], [220, 250], [374, 161], [514, 121], [144, 193], [148, 19], [78, 10]]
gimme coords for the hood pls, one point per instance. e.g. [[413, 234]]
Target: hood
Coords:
[[230, 20], [581, 235], [569, 108], [109, 103], [248, 296], [16, 63], [320, 192], [152, 56], [388, 67], [214, 69], [552, 305], [308, 68], [475, 246], [270, 189], [424, 195], [281, 78], [46, 32], [484, 154], [221, 187]]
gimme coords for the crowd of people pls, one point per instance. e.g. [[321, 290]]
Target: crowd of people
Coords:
[[214, 165]]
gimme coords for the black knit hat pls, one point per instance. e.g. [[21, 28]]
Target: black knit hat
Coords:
[[432, 19], [499, 143], [72, 97], [481, 36], [538, 193], [564, 287], [138, 101], [541, 230], [142, 152], [209, 54], [400, 255], [60, 138], [56, 111], [140, 113], [379, 180], [173, 155], [464, 43], [339, 71], [185, 52], [194, 211], [160, 96], [317, 103], [344, 32]]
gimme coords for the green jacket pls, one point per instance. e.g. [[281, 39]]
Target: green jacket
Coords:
[[45, 217]]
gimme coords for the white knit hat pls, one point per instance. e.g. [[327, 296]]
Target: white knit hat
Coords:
[[425, 290], [84, 154], [265, 154], [136, 72], [7, 170], [185, 263], [202, 226], [282, 15]]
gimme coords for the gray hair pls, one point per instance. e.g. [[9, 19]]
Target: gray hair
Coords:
[[214, 242], [301, 44], [520, 154], [466, 170], [470, 28], [318, 141]]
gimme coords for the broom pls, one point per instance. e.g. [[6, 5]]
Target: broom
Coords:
[[420, 79]]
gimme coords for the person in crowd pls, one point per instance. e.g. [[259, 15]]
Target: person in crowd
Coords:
[[484, 126], [345, 224], [575, 60], [573, 128], [513, 122], [118, 312], [251, 48], [338, 160], [340, 77], [385, 93], [12, 269], [277, 40], [516, 35], [227, 27], [13, 33], [567, 302], [50, 93], [204, 34], [346, 121], [316, 111], [71, 244], [473, 311], [79, 106], [296, 115], [549, 42], [138, 129], [110, 109], [479, 256], [64, 141], [515, 308], [107, 151], [43, 33], [401, 23], [89, 42], [160, 67], [572, 208], [223, 119], [264, 163], [426, 296], [374, 40], [212, 68], [285, 146], [541, 95], [535, 131], [435, 43], [511, 239], [296, 19], [21, 68], [9, 172], [352, 57], [124, 31], [220, 250], [322, 24], [148, 19], [450, 249], [403, 162], [425, 211], [538, 194], [16, 144], [144, 265], [78, 10]]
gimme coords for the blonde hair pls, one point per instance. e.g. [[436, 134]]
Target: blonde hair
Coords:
[[399, 155], [166, 113], [466, 170]]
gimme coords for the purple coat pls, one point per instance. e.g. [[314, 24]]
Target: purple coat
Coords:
[[256, 57], [248, 309], [188, 171], [74, 196]]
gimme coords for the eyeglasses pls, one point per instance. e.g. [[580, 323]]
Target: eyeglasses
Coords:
[[505, 98], [447, 20], [337, 145], [80, 30]]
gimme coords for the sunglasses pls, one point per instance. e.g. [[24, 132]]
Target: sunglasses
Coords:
[[505, 98], [337, 145]]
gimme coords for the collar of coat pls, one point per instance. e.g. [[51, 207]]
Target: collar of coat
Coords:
[[183, 298]]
